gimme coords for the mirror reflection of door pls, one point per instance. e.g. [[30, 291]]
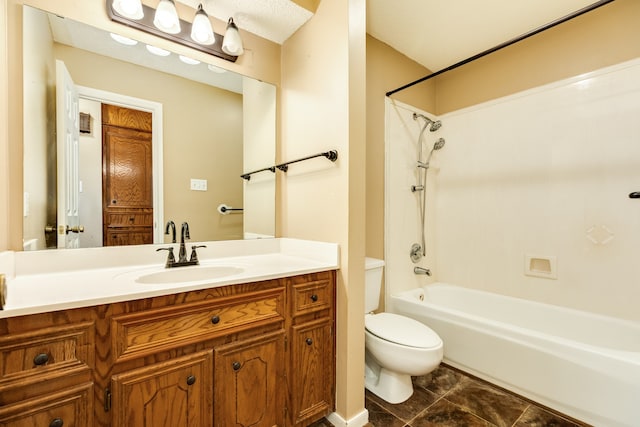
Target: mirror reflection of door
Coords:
[[68, 134], [127, 180]]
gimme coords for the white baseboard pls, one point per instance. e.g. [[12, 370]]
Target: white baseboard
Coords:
[[358, 421]]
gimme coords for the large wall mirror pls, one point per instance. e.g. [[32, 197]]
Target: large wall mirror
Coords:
[[207, 127]]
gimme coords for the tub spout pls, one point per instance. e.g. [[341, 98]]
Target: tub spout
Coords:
[[420, 270]]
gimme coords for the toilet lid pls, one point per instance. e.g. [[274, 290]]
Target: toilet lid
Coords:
[[401, 330]]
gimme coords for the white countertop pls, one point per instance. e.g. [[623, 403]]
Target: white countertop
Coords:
[[46, 281]]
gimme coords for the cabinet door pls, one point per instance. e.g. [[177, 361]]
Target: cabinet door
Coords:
[[312, 371], [248, 383], [71, 407], [168, 394]]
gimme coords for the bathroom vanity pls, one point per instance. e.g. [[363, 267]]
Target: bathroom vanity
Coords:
[[254, 346]]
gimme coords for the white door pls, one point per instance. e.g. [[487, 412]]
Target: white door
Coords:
[[68, 136]]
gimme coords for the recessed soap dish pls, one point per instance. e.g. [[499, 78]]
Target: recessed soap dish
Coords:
[[541, 266]]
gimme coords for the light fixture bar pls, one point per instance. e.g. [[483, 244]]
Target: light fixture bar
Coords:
[[183, 37]]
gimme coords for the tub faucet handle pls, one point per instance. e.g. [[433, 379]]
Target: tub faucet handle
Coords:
[[420, 270]]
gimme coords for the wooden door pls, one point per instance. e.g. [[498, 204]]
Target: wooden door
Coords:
[[248, 380], [68, 137], [177, 392], [127, 180]]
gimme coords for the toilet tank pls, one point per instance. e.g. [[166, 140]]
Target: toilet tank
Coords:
[[372, 283]]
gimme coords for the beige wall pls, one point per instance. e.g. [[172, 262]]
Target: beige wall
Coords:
[[605, 36], [322, 105], [387, 69], [39, 135], [4, 131]]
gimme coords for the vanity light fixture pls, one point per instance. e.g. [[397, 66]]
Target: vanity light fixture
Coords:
[[232, 43], [201, 30], [164, 22], [128, 8], [166, 17]]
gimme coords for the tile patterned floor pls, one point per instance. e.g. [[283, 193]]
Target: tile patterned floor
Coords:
[[448, 397]]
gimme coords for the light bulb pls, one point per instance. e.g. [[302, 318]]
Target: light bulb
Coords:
[[232, 43], [201, 31], [124, 40], [158, 51], [166, 17], [131, 9], [188, 60]]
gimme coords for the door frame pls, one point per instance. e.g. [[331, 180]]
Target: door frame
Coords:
[[155, 108]]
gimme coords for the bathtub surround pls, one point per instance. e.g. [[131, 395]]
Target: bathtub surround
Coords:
[[543, 173]]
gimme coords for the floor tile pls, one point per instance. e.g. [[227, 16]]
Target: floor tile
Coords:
[[492, 404], [439, 381], [445, 414], [407, 410], [379, 417], [538, 417]]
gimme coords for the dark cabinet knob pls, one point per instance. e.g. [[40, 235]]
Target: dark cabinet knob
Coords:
[[314, 297], [41, 359], [191, 379], [236, 366], [56, 422], [215, 320], [309, 341]]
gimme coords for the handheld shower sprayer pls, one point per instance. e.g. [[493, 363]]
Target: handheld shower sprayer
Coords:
[[418, 250]]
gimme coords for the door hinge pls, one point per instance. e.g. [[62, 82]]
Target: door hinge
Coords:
[[286, 341], [107, 400]]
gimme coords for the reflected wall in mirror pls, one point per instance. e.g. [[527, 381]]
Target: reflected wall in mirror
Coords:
[[209, 125]]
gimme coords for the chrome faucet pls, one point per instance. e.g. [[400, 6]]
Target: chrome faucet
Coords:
[[420, 270], [171, 226], [184, 234]]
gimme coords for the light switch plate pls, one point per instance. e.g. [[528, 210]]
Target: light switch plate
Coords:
[[198, 184]]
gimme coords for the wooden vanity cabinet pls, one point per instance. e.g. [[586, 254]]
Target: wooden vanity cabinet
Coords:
[[312, 354], [258, 354]]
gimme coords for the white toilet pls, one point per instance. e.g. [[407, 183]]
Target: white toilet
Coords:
[[396, 347]]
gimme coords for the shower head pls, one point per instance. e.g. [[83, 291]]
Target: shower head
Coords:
[[435, 125], [439, 143]]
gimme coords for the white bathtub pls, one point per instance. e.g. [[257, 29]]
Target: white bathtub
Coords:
[[581, 364]]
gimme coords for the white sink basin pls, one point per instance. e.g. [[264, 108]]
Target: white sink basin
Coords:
[[189, 274]]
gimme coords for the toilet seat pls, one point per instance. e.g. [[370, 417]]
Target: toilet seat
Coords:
[[401, 330]]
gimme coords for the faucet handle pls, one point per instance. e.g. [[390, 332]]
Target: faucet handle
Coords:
[[171, 259], [194, 256]]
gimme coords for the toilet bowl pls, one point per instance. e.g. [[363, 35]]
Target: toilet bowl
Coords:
[[396, 347]]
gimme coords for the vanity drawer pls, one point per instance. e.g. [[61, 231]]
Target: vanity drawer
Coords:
[[57, 350], [138, 334], [312, 296]]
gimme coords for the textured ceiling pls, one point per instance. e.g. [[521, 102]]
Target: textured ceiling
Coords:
[[440, 33], [273, 20]]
